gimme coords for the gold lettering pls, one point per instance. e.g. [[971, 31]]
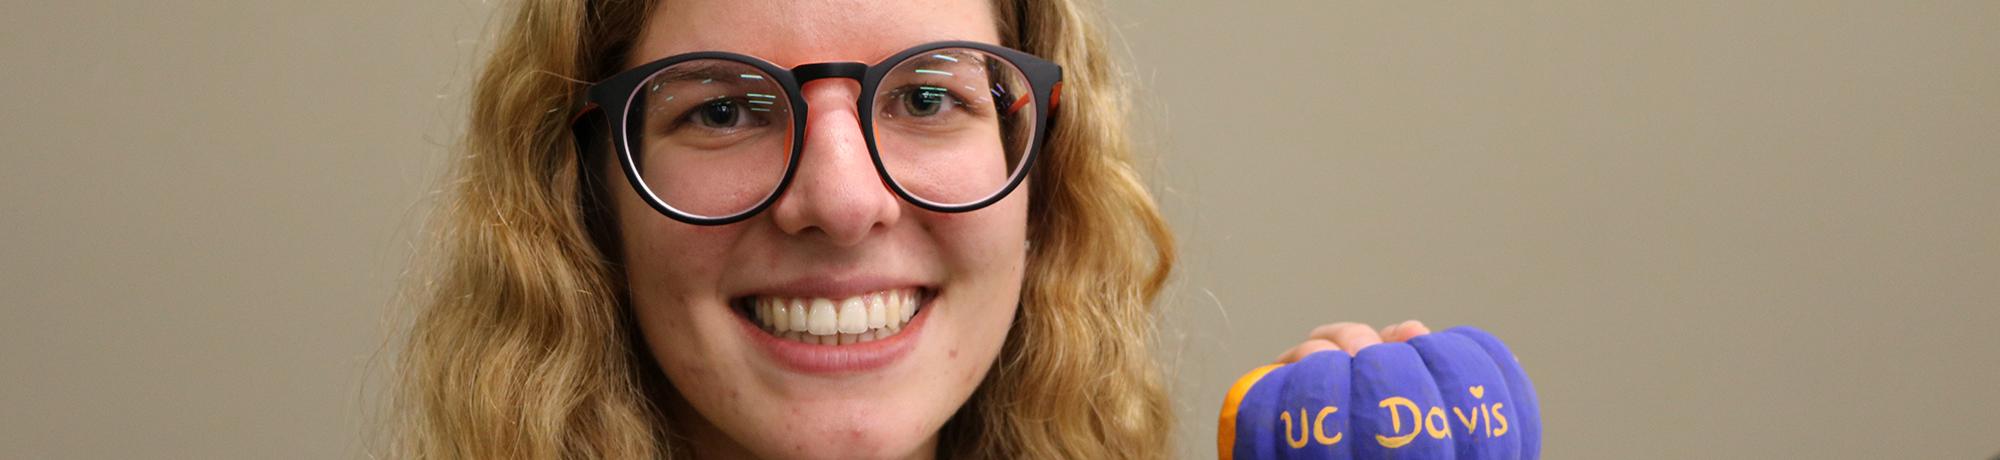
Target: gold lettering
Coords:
[[1471, 423], [1319, 427], [1298, 442], [1488, 416], [1498, 419], [1441, 429], [1396, 422]]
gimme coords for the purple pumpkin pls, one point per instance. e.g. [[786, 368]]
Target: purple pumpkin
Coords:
[[1457, 394]]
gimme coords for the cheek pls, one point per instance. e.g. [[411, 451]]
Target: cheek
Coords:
[[669, 265], [662, 256], [670, 271], [662, 294], [986, 253], [671, 275], [961, 169], [996, 234]]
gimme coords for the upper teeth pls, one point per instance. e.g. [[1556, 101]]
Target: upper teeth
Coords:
[[862, 318]]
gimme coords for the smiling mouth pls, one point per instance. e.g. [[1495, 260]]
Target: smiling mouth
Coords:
[[826, 321]]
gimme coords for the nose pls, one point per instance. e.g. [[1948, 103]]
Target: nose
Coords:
[[836, 193]]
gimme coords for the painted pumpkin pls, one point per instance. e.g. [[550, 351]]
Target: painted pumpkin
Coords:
[[1457, 394]]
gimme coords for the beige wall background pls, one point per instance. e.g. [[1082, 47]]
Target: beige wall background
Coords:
[[1710, 229]]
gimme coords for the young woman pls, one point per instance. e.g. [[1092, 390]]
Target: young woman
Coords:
[[750, 228]]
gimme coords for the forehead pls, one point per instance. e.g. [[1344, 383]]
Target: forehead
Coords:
[[793, 32]]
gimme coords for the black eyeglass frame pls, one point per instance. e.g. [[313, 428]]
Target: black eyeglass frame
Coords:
[[614, 96]]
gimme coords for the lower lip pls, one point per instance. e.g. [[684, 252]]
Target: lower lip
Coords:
[[839, 359]]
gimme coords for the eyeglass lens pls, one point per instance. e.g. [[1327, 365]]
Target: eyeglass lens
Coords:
[[713, 137]]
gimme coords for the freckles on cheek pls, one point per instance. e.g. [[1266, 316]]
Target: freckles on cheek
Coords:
[[670, 270], [674, 256], [697, 374], [979, 236], [666, 239]]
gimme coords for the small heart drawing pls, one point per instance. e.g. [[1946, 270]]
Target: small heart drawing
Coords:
[[1479, 391]]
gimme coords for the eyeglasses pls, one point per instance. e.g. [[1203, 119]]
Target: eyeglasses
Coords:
[[711, 138]]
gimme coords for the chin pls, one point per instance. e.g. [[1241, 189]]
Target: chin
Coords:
[[886, 417], [845, 434]]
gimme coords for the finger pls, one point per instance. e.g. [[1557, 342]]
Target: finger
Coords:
[[1351, 337], [1412, 329], [1405, 331], [1390, 331], [1303, 350], [1326, 331]]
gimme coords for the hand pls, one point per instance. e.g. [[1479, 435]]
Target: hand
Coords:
[[1351, 337]]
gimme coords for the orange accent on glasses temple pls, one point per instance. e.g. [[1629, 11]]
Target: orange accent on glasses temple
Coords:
[[587, 107], [1055, 98], [1018, 103]]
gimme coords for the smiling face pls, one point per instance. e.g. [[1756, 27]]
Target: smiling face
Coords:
[[834, 266]]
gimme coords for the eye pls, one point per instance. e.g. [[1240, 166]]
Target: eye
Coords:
[[927, 101], [722, 114]]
